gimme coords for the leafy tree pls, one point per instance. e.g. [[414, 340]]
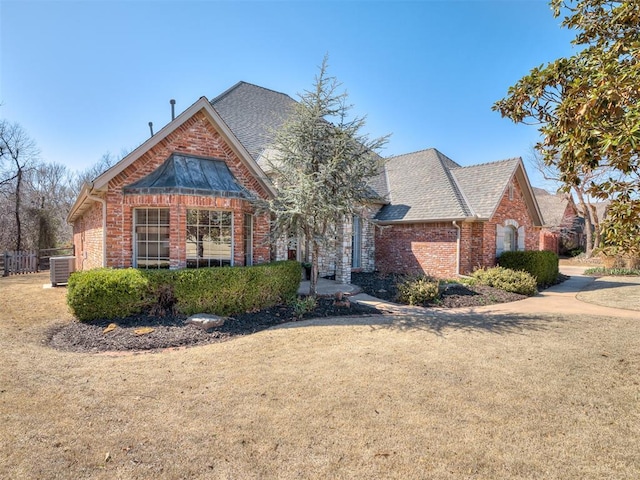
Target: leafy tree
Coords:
[[587, 110], [321, 165]]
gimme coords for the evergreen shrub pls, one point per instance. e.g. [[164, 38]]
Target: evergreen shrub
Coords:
[[542, 265], [419, 290], [516, 281], [112, 293], [107, 293]]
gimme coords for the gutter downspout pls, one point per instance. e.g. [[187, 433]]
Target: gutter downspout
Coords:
[[455, 224], [90, 196]]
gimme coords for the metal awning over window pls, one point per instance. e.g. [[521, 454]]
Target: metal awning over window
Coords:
[[190, 175]]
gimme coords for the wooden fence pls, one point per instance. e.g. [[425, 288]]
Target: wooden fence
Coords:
[[14, 263], [20, 262]]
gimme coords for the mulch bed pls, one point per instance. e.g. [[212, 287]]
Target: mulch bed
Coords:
[[170, 331], [454, 295]]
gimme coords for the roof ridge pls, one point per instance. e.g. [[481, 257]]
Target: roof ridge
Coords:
[[489, 163], [242, 82], [459, 194], [412, 153]]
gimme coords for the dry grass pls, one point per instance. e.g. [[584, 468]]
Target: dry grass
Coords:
[[428, 397]]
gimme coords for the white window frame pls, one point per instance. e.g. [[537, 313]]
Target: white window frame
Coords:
[[146, 261], [210, 261], [519, 236]]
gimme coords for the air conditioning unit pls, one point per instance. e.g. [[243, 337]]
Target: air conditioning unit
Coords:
[[61, 269]]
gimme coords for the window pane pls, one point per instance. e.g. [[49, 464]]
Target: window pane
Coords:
[[203, 217], [207, 243], [152, 216], [152, 237]]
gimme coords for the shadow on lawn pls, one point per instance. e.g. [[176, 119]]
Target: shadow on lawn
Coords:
[[437, 322]]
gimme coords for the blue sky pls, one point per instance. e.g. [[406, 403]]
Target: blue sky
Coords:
[[86, 77]]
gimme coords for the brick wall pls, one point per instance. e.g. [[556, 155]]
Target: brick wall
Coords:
[[87, 238], [431, 248], [510, 209], [195, 137], [550, 241], [428, 248]]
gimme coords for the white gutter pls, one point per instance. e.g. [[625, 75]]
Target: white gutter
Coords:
[[90, 196], [455, 224]]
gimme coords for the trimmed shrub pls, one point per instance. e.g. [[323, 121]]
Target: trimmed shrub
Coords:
[[617, 272], [516, 281], [542, 265], [226, 291], [107, 293], [418, 290]]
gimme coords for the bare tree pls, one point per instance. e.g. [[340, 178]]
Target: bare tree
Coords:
[[49, 197], [18, 152], [580, 189], [91, 173]]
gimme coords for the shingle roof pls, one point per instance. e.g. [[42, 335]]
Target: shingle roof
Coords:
[[484, 184], [422, 188], [429, 186], [189, 175], [419, 186], [551, 206], [254, 113]]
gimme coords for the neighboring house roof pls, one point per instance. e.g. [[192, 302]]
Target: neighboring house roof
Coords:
[[553, 207], [427, 186], [601, 209], [190, 175]]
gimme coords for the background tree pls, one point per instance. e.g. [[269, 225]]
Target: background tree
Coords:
[[94, 171], [18, 153], [585, 203], [49, 197], [321, 165], [587, 110]]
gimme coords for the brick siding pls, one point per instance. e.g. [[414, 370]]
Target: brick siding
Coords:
[[431, 248], [196, 136]]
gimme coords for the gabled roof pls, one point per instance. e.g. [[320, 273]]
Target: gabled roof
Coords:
[[255, 113], [422, 188], [551, 206], [190, 175], [485, 184], [427, 186], [99, 185]]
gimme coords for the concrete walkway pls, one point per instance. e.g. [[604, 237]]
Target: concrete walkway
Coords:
[[328, 288], [559, 299]]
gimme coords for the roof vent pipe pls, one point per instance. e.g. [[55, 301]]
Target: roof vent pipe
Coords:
[[173, 109], [151, 128]]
